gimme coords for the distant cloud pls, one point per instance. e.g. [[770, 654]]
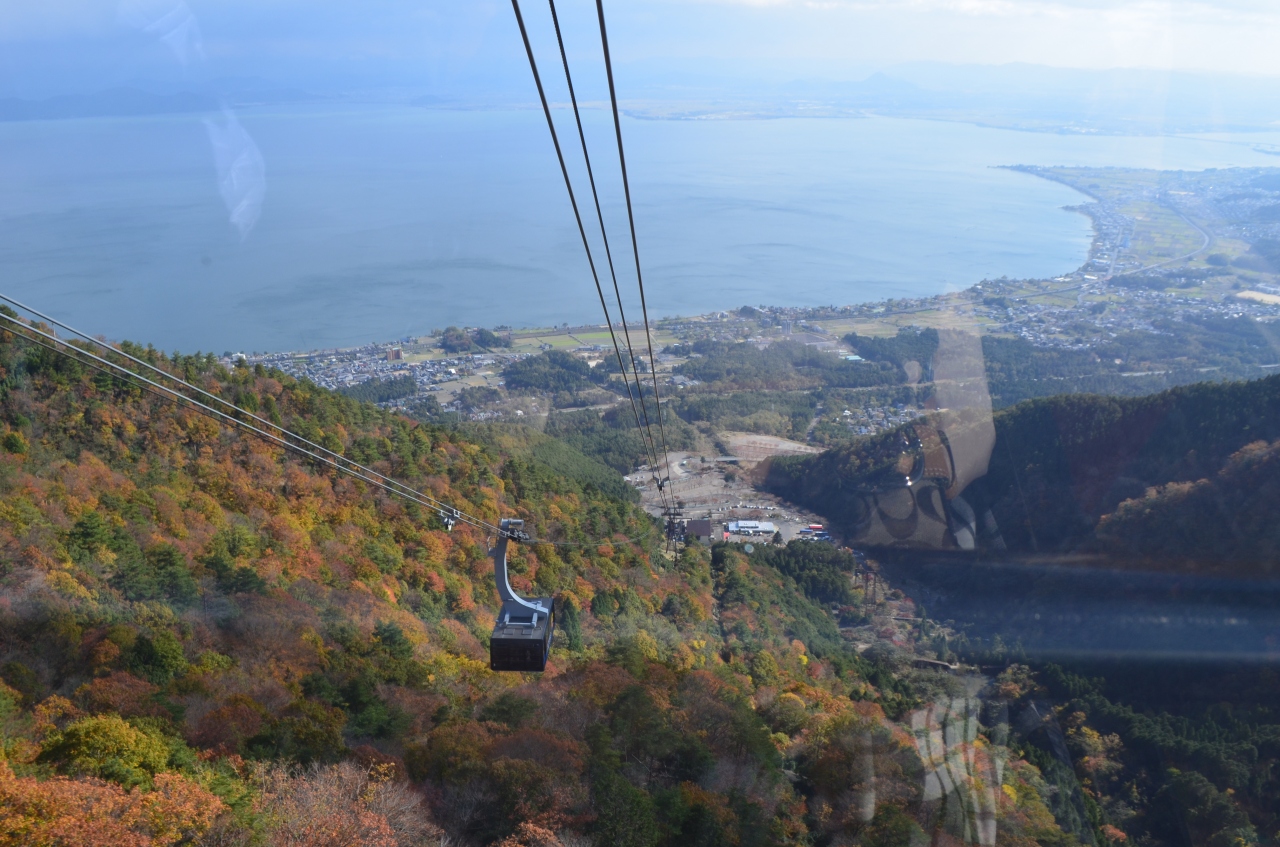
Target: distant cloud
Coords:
[[1221, 11], [404, 42], [1022, 7], [1223, 35]]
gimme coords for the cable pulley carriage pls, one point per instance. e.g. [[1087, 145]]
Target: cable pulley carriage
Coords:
[[449, 517]]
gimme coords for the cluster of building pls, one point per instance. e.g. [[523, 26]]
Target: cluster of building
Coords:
[[708, 531], [1089, 322], [1244, 201], [1113, 233], [337, 369], [872, 419]]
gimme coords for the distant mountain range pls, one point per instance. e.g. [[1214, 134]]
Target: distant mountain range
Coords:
[[135, 102], [118, 102], [1016, 96]]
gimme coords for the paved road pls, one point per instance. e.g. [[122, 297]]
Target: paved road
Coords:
[[1208, 239]]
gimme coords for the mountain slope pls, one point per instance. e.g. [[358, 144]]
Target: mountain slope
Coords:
[[184, 611], [1061, 465]]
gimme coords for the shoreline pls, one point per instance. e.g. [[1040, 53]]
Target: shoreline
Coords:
[[782, 311]]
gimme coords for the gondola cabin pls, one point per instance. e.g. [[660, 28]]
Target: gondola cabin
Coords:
[[521, 639], [522, 634]]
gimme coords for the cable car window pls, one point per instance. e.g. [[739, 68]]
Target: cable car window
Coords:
[[647, 423]]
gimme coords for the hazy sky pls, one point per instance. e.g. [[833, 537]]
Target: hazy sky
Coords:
[[54, 45]]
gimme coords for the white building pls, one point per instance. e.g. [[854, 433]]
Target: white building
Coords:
[[751, 528]]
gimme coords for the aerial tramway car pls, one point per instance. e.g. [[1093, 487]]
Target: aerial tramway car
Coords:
[[522, 634]]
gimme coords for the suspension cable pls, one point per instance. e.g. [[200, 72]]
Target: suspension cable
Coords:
[[313, 447], [342, 464], [61, 347], [651, 447], [595, 196], [52, 343], [635, 249]]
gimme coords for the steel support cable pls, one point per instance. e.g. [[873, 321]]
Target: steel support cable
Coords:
[[164, 392], [650, 445], [118, 371], [221, 400], [646, 433], [595, 196], [635, 248]]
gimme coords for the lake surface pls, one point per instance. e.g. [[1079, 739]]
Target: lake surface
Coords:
[[382, 222]]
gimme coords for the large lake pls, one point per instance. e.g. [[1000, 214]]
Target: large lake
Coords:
[[382, 222]]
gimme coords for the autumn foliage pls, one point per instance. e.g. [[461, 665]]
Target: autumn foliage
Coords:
[[94, 813], [202, 638], [341, 805]]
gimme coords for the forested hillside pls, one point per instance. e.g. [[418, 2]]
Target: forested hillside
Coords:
[[1179, 479], [203, 640]]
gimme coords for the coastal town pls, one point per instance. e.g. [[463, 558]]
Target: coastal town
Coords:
[[1176, 257], [1068, 313]]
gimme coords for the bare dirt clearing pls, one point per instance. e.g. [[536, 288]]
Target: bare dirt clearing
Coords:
[[722, 490], [751, 447]]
